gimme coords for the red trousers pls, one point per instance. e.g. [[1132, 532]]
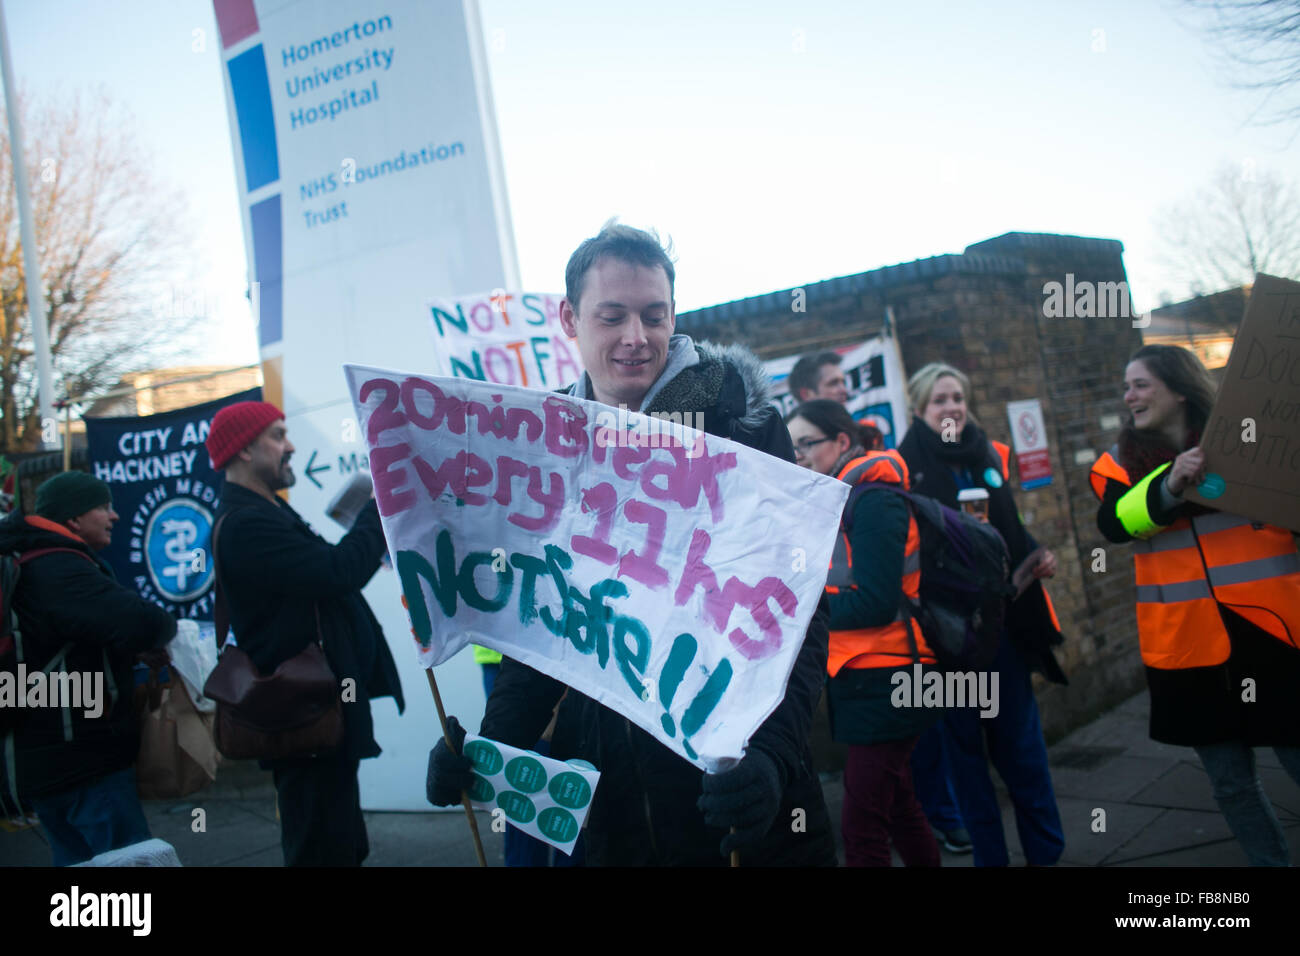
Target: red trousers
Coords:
[[880, 805]]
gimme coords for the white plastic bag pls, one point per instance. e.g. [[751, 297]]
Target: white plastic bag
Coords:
[[193, 653]]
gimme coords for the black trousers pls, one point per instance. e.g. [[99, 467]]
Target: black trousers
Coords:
[[320, 812]]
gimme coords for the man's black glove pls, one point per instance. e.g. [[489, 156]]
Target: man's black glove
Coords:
[[745, 797], [449, 770]]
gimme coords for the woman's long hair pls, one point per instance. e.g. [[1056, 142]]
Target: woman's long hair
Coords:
[[1142, 451], [1183, 374]]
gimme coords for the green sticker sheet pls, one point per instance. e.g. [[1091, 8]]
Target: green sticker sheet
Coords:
[[547, 799]]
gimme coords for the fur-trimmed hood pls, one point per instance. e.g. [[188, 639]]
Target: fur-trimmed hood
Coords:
[[704, 376]]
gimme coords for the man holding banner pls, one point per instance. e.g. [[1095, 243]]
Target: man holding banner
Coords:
[[653, 807]]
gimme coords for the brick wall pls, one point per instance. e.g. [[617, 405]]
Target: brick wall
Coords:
[[982, 312]]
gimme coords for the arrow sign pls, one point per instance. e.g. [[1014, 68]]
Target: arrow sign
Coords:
[[311, 472]]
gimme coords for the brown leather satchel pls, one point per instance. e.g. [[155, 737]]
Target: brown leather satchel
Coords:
[[294, 712]]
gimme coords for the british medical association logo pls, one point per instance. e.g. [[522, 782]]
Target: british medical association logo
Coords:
[[176, 549]]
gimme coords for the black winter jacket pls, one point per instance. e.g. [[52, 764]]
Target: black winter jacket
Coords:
[[73, 601], [278, 575], [644, 812]]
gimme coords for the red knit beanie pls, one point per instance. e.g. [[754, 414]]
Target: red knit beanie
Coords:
[[236, 427]]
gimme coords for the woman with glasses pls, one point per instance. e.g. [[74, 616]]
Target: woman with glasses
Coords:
[[874, 643]]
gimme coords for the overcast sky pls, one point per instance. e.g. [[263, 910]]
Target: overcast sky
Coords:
[[777, 143]]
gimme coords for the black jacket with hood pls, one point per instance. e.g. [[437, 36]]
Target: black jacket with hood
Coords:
[[73, 617], [644, 812]]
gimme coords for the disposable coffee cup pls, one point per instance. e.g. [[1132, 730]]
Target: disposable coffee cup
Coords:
[[351, 498], [975, 502]]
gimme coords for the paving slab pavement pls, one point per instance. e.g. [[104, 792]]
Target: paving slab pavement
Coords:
[[1156, 799]]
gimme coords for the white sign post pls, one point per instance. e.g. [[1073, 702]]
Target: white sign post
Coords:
[[369, 175]]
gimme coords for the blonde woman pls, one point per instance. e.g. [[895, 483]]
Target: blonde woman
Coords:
[[946, 452]]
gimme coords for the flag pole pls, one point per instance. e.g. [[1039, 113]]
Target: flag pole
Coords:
[[469, 811], [31, 263]]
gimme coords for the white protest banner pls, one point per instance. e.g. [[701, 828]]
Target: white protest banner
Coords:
[[877, 385], [547, 799], [511, 338], [666, 573]]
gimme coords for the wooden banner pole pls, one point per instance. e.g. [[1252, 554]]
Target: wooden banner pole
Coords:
[[469, 811]]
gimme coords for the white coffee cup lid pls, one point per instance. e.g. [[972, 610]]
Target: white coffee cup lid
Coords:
[[972, 494]]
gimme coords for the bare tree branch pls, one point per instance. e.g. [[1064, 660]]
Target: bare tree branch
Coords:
[[105, 232], [1245, 221], [1258, 42]]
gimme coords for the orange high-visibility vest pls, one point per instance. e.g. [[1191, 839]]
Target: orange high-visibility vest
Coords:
[[1184, 568], [887, 646]]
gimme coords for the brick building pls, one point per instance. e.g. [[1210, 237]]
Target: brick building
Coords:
[[983, 312]]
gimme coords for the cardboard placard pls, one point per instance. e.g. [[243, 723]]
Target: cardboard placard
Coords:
[[1252, 440]]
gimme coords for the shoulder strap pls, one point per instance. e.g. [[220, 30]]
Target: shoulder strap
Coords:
[[41, 552], [221, 610], [858, 491]]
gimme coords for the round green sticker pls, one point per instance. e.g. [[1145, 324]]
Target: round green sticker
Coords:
[[580, 764], [487, 759], [558, 824], [516, 806], [481, 790], [1212, 486], [570, 789], [992, 478], [526, 774]]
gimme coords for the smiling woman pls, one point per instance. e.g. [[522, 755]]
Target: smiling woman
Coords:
[[1218, 597]]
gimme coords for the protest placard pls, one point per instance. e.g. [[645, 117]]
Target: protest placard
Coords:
[[511, 338], [547, 799], [664, 572], [1252, 439]]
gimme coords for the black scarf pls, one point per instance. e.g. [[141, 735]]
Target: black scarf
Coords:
[[1142, 452], [930, 463]]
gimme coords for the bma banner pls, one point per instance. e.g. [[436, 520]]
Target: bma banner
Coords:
[[511, 338], [664, 572], [370, 178], [165, 490], [877, 385], [1252, 438]]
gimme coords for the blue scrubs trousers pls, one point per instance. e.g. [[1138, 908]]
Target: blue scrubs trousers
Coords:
[[1013, 742]]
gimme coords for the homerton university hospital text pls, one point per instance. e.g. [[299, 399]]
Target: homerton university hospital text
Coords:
[[311, 75]]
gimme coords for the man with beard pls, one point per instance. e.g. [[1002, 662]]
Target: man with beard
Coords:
[[652, 806], [286, 587]]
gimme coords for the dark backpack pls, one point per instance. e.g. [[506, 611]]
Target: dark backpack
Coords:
[[11, 655], [11, 640], [964, 580]]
